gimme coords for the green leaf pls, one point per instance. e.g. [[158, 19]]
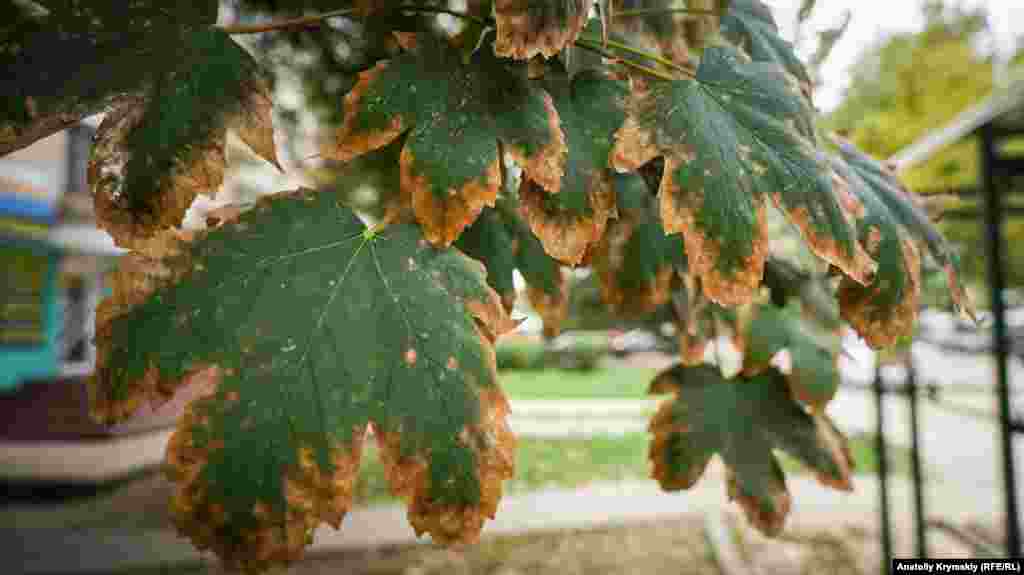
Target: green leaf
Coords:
[[813, 376], [318, 327], [750, 25], [742, 420], [883, 192], [885, 310], [455, 114], [636, 260], [501, 240], [591, 108], [490, 241], [152, 157], [65, 62], [729, 139], [527, 28]]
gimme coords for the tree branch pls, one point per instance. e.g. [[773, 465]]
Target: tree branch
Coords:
[[586, 45], [315, 19], [642, 53], [655, 11]]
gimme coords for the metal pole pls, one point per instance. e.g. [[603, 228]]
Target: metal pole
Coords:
[[920, 534], [997, 282], [883, 471]]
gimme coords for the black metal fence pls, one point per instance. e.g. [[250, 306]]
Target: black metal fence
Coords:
[[997, 171], [914, 392]]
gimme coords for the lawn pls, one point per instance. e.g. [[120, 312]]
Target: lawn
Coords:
[[619, 382], [540, 463]]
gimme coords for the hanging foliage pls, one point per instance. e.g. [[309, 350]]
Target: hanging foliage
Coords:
[[653, 141]]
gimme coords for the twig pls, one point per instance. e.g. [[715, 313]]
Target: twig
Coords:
[[283, 24], [642, 53], [644, 69], [316, 19], [655, 11]]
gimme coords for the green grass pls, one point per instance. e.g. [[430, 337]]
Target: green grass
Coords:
[[543, 463], [618, 382]]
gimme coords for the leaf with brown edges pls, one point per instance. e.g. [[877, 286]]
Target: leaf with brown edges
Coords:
[[317, 328], [743, 420], [731, 139], [898, 233], [527, 28], [636, 261], [455, 114], [591, 108], [153, 156]]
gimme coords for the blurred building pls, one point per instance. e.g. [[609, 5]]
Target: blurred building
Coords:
[[52, 261]]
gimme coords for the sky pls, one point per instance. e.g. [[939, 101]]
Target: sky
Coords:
[[873, 19]]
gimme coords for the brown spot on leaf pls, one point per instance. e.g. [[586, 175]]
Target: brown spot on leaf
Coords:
[[443, 219], [406, 40], [847, 200], [634, 147], [679, 210], [567, 236], [348, 142], [547, 165], [881, 325], [526, 29], [452, 363], [410, 357]]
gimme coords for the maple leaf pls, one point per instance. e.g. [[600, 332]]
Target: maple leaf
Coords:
[[319, 328], [153, 156], [636, 260], [750, 25], [527, 28], [742, 420], [64, 63], [889, 224], [503, 243], [455, 113], [730, 137], [813, 376], [591, 108]]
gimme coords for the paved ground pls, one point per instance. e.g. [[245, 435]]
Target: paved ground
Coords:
[[51, 549]]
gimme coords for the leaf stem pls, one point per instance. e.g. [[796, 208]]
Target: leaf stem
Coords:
[[639, 67], [655, 11], [436, 10], [642, 53], [315, 19]]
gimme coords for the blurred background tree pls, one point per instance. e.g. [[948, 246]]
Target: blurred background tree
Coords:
[[910, 84]]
